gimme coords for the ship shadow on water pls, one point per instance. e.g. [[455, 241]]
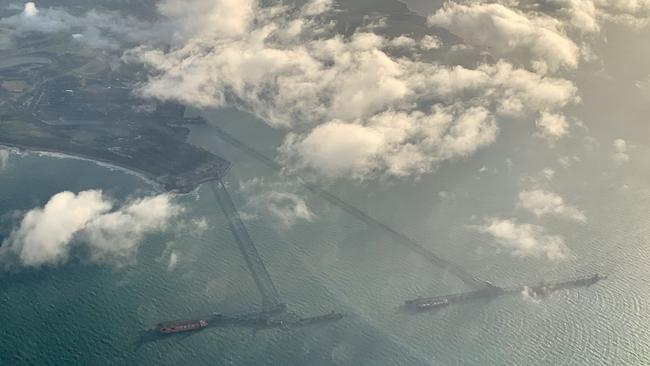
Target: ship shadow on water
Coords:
[[152, 335], [147, 336], [406, 310], [276, 318]]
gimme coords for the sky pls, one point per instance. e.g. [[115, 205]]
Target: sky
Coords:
[[371, 105]]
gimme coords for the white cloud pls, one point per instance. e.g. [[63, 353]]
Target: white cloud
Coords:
[[199, 226], [329, 90], [224, 18], [620, 145], [444, 195], [548, 173], [116, 234], [30, 10], [430, 42], [34, 20], [620, 151], [86, 221], [396, 143], [588, 15], [542, 202], [541, 179], [283, 84], [340, 149], [173, 261], [402, 42], [508, 90], [552, 126], [531, 296], [549, 35], [94, 29], [568, 161], [509, 32], [525, 240], [316, 7], [277, 200], [284, 64], [427, 43], [582, 14]]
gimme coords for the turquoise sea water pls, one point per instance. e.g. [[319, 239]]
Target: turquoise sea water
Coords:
[[89, 314]]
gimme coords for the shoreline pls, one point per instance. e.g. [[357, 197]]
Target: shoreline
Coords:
[[146, 177]]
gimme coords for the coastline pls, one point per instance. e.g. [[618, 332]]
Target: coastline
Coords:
[[146, 177]]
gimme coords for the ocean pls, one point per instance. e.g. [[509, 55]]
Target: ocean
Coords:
[[85, 313]]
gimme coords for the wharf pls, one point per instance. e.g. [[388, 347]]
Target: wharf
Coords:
[[536, 290], [271, 318], [264, 321], [261, 276]]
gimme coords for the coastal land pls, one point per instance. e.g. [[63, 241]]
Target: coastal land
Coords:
[[78, 105]]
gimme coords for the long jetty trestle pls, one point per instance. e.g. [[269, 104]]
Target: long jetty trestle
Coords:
[[401, 238], [274, 312], [271, 303], [536, 290], [270, 297]]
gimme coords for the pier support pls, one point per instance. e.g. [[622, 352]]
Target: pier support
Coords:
[[270, 297], [538, 289]]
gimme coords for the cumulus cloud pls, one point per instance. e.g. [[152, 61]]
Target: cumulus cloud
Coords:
[[277, 200], [568, 161], [542, 203], [332, 91], [525, 240], [547, 35], [588, 15], [402, 42], [552, 126], [620, 151], [582, 14], [538, 180], [339, 148], [225, 18], [397, 143], [316, 7], [430, 42], [426, 43], [509, 32], [88, 222], [548, 173], [394, 115], [510, 91], [283, 84]]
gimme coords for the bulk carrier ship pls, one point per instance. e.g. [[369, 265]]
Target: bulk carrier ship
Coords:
[[181, 326]]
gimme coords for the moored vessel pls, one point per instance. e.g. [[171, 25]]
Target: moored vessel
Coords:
[[181, 326]]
